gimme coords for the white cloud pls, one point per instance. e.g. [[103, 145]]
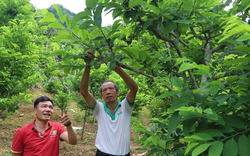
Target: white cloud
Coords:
[[75, 6]]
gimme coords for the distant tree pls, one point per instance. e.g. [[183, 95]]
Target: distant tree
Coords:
[[64, 11], [14, 9], [21, 44]]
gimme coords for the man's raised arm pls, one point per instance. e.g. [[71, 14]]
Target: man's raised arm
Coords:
[[133, 87], [89, 98]]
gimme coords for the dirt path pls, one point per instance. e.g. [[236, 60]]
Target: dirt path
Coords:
[[85, 147]]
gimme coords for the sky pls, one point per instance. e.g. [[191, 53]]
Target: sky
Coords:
[[74, 6]]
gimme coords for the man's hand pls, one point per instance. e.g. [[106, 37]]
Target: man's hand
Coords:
[[90, 53], [65, 119], [70, 135]]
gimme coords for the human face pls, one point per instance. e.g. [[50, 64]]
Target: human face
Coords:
[[109, 93], [44, 110]]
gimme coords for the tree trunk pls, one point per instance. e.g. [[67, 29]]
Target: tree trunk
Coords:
[[83, 126]]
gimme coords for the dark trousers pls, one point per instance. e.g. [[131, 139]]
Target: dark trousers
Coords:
[[100, 153]]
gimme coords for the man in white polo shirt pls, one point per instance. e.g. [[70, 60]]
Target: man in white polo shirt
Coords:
[[113, 116]]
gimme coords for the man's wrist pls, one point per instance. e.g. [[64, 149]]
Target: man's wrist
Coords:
[[68, 124]]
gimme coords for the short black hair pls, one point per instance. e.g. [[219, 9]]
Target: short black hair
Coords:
[[42, 99], [116, 86]]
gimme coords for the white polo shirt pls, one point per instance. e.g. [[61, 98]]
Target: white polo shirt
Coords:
[[113, 135]]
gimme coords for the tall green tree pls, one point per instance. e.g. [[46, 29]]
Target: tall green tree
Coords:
[[19, 55], [186, 49]]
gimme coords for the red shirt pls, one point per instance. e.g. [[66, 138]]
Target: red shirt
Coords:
[[27, 140]]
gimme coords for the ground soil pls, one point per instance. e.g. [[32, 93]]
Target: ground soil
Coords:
[[85, 147]]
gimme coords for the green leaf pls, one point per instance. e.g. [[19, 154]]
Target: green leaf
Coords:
[[167, 29], [212, 132], [67, 20], [134, 50], [59, 12], [98, 21], [86, 24], [187, 125], [222, 98], [155, 9], [215, 149], [182, 101], [154, 63], [147, 23], [201, 148], [176, 81], [143, 55], [112, 64], [91, 3], [97, 65], [98, 16], [214, 90], [236, 61], [182, 21], [199, 137], [48, 17], [78, 17], [133, 3], [58, 52], [202, 67], [230, 148], [244, 37], [244, 145], [241, 67], [112, 5], [208, 111], [242, 48], [190, 146], [167, 94], [213, 117], [64, 37], [174, 121], [233, 121], [185, 66], [56, 25], [162, 143], [75, 30], [224, 129], [191, 115]]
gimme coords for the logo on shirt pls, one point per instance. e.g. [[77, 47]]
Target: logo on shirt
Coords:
[[119, 112], [53, 133]]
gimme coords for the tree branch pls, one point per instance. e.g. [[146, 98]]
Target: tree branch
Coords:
[[215, 36], [195, 35], [110, 47], [134, 70], [169, 53], [156, 3], [218, 48], [183, 42], [159, 35]]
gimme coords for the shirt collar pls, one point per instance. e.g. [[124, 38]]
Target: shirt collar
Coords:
[[33, 125], [108, 110]]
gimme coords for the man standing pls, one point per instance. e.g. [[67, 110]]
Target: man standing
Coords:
[[113, 135], [41, 137]]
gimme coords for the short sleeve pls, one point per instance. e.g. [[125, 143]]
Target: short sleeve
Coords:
[[96, 108], [18, 143], [128, 106]]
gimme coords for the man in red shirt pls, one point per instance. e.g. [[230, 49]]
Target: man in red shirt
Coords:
[[41, 137]]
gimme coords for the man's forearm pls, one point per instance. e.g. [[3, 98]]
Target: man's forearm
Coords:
[[71, 135], [127, 79], [85, 80]]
